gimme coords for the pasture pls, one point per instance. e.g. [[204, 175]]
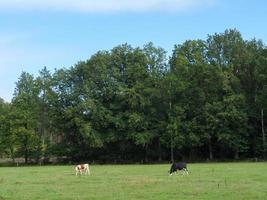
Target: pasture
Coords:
[[150, 182]]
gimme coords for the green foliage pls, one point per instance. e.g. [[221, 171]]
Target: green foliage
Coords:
[[134, 104]]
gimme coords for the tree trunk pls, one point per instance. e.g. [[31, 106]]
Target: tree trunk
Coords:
[[263, 134], [172, 159], [236, 154], [146, 157], [210, 149], [12, 154], [26, 157], [26, 152], [159, 151]]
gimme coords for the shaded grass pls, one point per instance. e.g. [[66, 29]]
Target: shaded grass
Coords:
[[120, 182]]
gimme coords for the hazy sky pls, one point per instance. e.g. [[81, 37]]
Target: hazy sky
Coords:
[[59, 33]]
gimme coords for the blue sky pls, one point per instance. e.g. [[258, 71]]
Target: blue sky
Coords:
[[59, 33]]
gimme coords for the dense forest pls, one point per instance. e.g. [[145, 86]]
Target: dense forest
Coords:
[[207, 101]]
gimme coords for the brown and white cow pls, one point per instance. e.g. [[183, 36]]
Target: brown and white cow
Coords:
[[82, 168]]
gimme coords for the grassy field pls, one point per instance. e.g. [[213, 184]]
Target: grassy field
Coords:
[[238, 181]]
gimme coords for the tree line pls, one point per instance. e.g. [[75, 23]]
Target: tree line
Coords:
[[206, 101]]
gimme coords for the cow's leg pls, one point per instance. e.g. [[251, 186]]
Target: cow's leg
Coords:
[[185, 171], [76, 170]]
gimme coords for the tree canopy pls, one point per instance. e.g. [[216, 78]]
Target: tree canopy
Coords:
[[206, 101]]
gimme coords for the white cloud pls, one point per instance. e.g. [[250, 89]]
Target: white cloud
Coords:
[[96, 6]]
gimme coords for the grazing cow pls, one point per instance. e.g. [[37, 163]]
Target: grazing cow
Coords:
[[178, 166], [82, 168]]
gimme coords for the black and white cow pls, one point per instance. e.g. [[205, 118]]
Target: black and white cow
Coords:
[[178, 166]]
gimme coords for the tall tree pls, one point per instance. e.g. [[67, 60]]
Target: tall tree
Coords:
[[45, 92], [24, 111], [7, 137]]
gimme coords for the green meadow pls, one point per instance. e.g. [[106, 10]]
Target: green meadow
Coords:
[[238, 181]]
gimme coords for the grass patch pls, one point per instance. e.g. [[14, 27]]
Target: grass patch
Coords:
[[120, 182]]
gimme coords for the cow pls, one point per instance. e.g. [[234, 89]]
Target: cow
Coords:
[[178, 166], [82, 168]]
